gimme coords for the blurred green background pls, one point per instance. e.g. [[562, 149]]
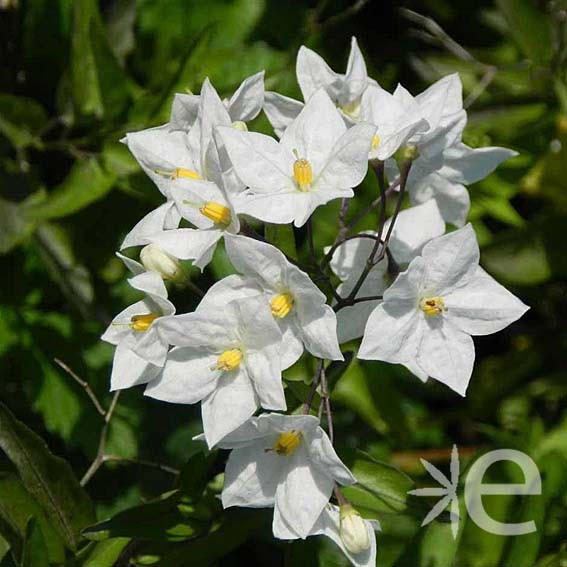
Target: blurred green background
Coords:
[[74, 77]]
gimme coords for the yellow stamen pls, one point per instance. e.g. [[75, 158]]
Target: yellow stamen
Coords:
[[216, 212], [239, 125], [281, 305], [228, 360], [302, 172], [179, 172], [287, 442], [142, 323], [432, 306], [375, 142]]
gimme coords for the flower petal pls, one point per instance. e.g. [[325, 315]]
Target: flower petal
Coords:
[[128, 369], [245, 104], [324, 456], [186, 378], [264, 369], [152, 223], [483, 306], [314, 73], [281, 111]]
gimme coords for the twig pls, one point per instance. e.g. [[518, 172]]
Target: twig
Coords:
[[327, 403], [356, 219], [352, 10], [329, 255], [99, 459], [142, 462], [314, 384], [84, 385]]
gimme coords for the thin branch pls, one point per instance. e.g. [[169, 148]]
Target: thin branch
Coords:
[[327, 403], [314, 384], [356, 219], [141, 462], [329, 255], [352, 10], [83, 384], [99, 459]]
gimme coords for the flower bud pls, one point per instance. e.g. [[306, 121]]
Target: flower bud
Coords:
[[353, 530], [157, 260]]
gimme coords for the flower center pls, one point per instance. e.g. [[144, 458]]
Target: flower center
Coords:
[[142, 323], [375, 142], [239, 125], [351, 109], [302, 172], [432, 306], [281, 305], [229, 360], [287, 442], [216, 212], [179, 172]]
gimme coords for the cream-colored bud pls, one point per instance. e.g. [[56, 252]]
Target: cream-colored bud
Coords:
[[353, 530], [155, 259]]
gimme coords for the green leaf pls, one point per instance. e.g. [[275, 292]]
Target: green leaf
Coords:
[[282, 237], [17, 506], [168, 518], [17, 221], [34, 553], [237, 526], [520, 259], [99, 84], [106, 553], [21, 120], [380, 487], [87, 182], [48, 478], [529, 27]]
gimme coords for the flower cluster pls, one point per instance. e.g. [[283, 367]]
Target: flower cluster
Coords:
[[414, 293]]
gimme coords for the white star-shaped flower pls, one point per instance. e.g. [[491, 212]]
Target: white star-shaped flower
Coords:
[[317, 160], [294, 301], [445, 165], [396, 121], [284, 461], [448, 491], [431, 310], [228, 359], [141, 347], [244, 105], [313, 73], [413, 229]]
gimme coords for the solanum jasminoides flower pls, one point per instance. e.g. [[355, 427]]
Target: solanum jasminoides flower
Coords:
[[228, 359], [430, 312], [414, 227], [286, 462], [316, 160], [141, 348], [244, 105], [293, 300], [313, 73]]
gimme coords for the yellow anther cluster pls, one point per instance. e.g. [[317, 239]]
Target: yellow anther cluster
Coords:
[[287, 443], [185, 173], [303, 174], [432, 306], [142, 322], [281, 305], [375, 142], [229, 360], [219, 214]]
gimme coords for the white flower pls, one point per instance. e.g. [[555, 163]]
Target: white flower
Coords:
[[283, 461], [228, 359], [355, 531], [244, 105], [141, 348], [209, 209], [413, 229], [313, 73], [294, 301], [445, 164], [395, 122], [430, 312], [317, 160]]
